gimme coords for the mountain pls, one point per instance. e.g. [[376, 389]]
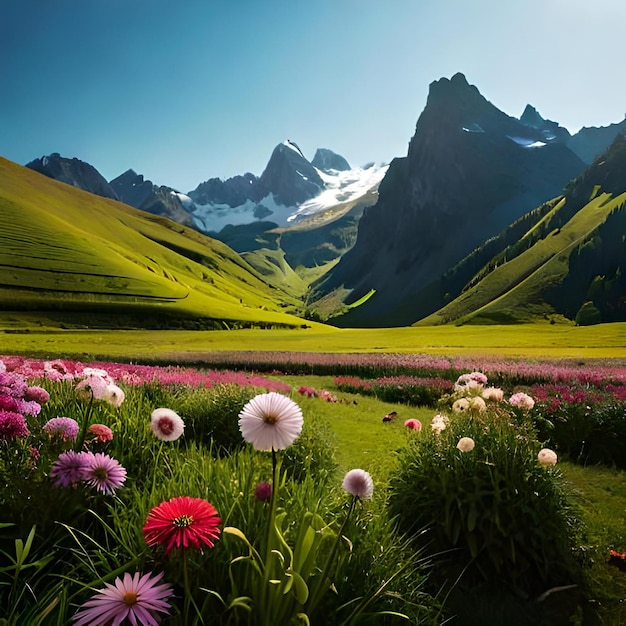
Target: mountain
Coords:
[[563, 260], [471, 170], [73, 172], [132, 189], [550, 130], [326, 160], [590, 142], [289, 189], [71, 258]]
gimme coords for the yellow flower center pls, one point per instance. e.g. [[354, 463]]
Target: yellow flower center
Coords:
[[268, 418], [183, 521], [130, 598]]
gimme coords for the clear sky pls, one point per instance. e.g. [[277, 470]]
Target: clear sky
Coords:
[[186, 90]]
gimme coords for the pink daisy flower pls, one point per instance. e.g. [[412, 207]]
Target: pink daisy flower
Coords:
[[136, 598], [103, 472]]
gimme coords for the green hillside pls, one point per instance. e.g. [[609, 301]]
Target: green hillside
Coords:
[[515, 291], [565, 264], [67, 254]]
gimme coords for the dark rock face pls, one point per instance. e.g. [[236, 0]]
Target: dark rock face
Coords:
[[325, 159], [470, 171], [73, 172], [550, 130], [233, 191], [132, 189], [290, 177]]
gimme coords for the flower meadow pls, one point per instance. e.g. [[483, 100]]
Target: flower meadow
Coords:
[[136, 494]]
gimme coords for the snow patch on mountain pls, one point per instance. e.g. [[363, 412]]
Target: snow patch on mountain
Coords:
[[526, 143], [340, 186]]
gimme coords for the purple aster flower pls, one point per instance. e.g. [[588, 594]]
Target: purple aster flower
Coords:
[[69, 469], [64, 427], [136, 598], [12, 425], [104, 473]]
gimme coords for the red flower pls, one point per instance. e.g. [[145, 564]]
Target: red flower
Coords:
[[181, 522]]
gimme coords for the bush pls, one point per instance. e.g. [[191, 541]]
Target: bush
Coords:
[[586, 426], [493, 510]]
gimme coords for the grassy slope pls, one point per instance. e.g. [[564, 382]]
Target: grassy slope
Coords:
[[61, 247], [512, 292]]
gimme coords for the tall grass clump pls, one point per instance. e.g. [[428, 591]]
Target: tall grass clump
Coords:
[[481, 492]]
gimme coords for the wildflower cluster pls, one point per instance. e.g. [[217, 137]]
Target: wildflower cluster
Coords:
[[484, 477]]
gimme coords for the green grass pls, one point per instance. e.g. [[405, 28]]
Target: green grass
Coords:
[[529, 341]]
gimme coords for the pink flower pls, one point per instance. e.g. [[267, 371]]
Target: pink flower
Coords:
[[547, 457], [136, 598], [522, 401], [64, 427], [103, 472], [38, 394], [101, 433], [413, 424], [182, 522], [166, 424], [12, 425], [114, 395], [263, 492], [358, 483], [92, 387], [493, 393]]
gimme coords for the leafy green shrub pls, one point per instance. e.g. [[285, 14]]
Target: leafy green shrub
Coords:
[[492, 509], [585, 426], [211, 415]]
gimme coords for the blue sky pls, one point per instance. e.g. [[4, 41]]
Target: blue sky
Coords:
[[182, 91]]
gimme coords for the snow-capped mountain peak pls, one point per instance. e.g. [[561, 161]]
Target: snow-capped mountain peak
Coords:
[[290, 188]]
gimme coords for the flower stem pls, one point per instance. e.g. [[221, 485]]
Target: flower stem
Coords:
[[187, 590], [80, 440], [320, 588]]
